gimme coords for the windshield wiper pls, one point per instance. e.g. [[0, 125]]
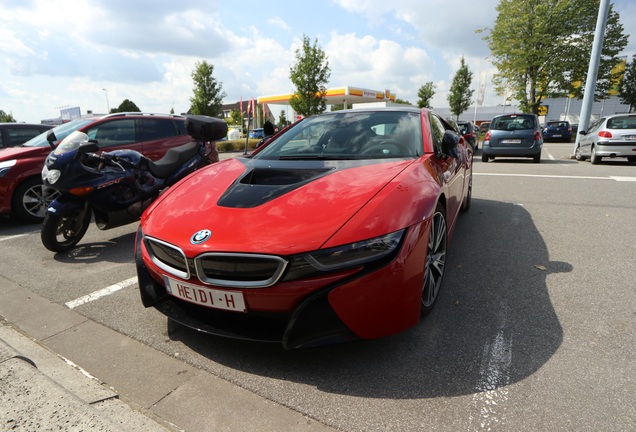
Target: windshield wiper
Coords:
[[321, 157]]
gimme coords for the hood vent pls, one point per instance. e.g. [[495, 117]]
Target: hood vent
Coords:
[[261, 185], [281, 177]]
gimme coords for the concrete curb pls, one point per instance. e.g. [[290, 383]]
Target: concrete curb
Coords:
[[123, 383]]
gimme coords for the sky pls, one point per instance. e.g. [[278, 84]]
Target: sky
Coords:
[[94, 54]]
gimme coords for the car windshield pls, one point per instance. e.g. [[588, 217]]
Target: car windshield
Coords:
[[513, 122], [61, 132], [350, 135], [622, 123]]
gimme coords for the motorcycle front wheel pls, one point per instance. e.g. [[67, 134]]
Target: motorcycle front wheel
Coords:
[[62, 233]]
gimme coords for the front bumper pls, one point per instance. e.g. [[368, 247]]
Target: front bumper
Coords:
[[361, 303]]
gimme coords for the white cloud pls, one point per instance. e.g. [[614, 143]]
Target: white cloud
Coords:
[[373, 64], [278, 22]]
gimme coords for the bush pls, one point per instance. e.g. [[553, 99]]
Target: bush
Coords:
[[236, 145]]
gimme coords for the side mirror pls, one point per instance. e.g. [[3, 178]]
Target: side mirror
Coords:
[[89, 146], [51, 138], [582, 132], [450, 141]]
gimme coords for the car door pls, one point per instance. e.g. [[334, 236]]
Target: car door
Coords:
[[451, 169], [588, 139], [160, 135]]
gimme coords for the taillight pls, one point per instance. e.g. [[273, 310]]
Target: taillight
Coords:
[[488, 135], [468, 135], [605, 134], [537, 136], [569, 129]]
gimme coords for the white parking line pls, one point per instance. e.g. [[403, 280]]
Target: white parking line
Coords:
[[549, 155], [559, 176], [101, 293], [19, 235]]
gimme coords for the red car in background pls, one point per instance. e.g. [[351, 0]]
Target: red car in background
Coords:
[[21, 190], [335, 230]]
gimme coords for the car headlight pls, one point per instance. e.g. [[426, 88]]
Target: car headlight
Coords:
[[5, 166], [343, 257], [50, 175]]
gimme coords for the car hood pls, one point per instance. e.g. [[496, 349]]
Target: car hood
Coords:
[[22, 152], [282, 207]]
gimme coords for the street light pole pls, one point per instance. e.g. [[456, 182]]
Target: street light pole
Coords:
[[107, 106], [592, 72]]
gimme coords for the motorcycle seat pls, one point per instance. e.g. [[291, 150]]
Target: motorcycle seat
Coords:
[[173, 159]]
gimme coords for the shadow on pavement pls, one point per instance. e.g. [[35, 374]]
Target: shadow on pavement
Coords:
[[494, 324], [116, 250]]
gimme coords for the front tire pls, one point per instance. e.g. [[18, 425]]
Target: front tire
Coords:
[[435, 260], [62, 233], [578, 155], [31, 199]]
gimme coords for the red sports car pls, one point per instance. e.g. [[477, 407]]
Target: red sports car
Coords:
[[335, 230]]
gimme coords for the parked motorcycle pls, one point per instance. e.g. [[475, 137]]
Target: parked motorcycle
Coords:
[[115, 186]]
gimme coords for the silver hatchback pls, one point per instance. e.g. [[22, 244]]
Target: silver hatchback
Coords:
[[611, 136]]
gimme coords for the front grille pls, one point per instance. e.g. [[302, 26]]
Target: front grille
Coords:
[[167, 257], [239, 270]]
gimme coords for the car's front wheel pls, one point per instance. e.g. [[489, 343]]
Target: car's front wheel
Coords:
[[31, 199], [594, 158], [435, 260], [578, 155]]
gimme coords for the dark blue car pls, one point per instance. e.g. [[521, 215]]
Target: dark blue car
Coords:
[[557, 131]]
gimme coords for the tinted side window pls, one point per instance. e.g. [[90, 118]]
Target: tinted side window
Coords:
[[155, 129], [114, 133], [19, 136], [181, 127]]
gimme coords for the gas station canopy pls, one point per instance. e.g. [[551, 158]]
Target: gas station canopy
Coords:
[[340, 95]]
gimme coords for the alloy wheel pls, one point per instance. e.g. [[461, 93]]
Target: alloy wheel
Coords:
[[435, 260], [37, 199]]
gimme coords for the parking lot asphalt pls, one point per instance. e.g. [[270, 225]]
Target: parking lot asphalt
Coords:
[[534, 329]]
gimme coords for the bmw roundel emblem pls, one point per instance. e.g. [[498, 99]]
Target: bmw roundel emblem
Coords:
[[200, 236]]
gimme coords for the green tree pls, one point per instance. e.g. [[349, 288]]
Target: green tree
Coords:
[[282, 119], [460, 92], [337, 107], [208, 93], [310, 76], [627, 93], [235, 117], [542, 48], [125, 106], [401, 101], [425, 95], [6, 117], [172, 110]]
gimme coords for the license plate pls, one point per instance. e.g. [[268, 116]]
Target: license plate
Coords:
[[557, 136], [511, 141], [212, 298], [631, 137]]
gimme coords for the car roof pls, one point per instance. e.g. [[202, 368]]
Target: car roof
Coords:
[[24, 125]]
